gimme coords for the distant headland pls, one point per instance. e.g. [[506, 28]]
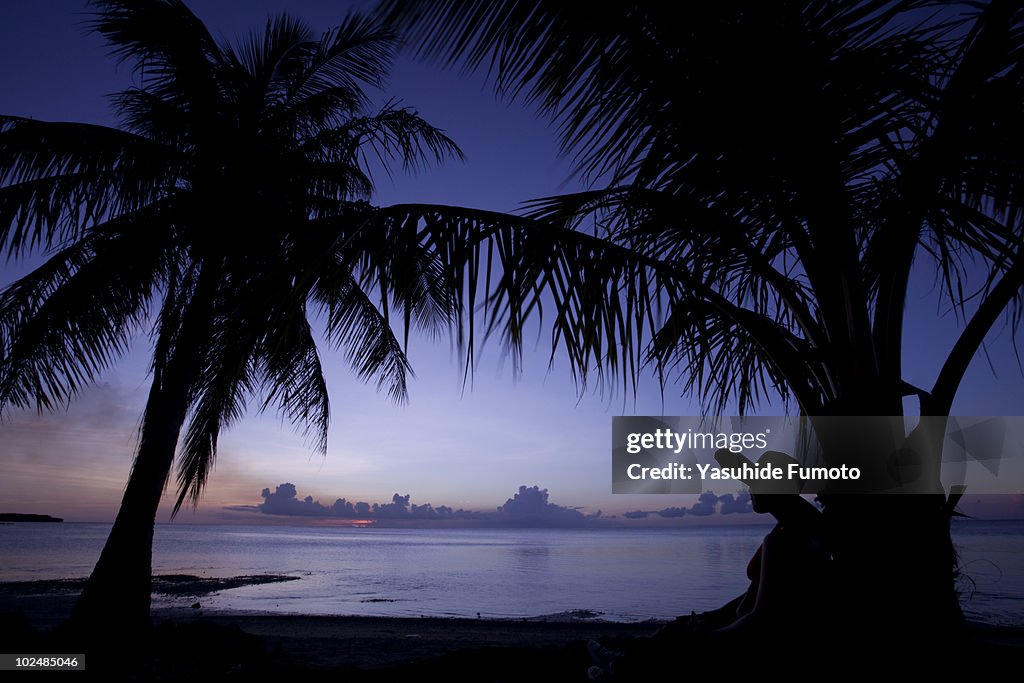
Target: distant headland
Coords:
[[18, 517]]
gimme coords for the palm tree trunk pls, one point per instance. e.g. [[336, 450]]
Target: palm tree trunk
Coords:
[[896, 577], [117, 596], [116, 599], [896, 565]]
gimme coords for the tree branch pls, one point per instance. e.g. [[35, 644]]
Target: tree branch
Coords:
[[953, 370]]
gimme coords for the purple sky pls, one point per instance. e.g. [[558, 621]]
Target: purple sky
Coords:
[[469, 450]]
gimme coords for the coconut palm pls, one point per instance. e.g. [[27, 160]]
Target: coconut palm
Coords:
[[767, 179], [231, 199]]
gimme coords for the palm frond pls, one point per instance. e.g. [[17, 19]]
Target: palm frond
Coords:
[[398, 133], [329, 86], [772, 170], [68, 320], [363, 331], [168, 46], [289, 363], [57, 178], [226, 376], [611, 309], [270, 59]]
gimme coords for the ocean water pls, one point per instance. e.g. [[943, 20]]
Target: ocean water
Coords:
[[620, 575]]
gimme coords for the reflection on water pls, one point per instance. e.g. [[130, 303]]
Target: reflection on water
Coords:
[[623, 574]]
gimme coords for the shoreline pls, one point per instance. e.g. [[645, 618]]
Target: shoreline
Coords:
[[47, 602], [194, 644], [360, 647]]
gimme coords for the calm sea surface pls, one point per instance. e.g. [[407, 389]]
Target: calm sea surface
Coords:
[[624, 575]]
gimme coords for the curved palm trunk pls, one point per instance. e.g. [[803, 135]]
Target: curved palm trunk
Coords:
[[117, 595], [116, 598]]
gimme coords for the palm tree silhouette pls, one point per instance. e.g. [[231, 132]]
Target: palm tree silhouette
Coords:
[[769, 177], [231, 199]]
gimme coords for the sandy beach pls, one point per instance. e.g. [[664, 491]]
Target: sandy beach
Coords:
[[246, 647], [192, 643], [371, 643]]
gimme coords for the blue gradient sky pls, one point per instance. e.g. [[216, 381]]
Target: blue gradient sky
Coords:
[[470, 449]]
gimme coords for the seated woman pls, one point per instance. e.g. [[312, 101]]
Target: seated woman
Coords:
[[787, 574]]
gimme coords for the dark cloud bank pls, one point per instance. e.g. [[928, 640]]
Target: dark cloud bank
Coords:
[[707, 504], [527, 508]]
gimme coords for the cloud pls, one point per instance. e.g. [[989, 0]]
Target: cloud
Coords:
[[707, 504], [285, 501], [528, 507], [738, 504]]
